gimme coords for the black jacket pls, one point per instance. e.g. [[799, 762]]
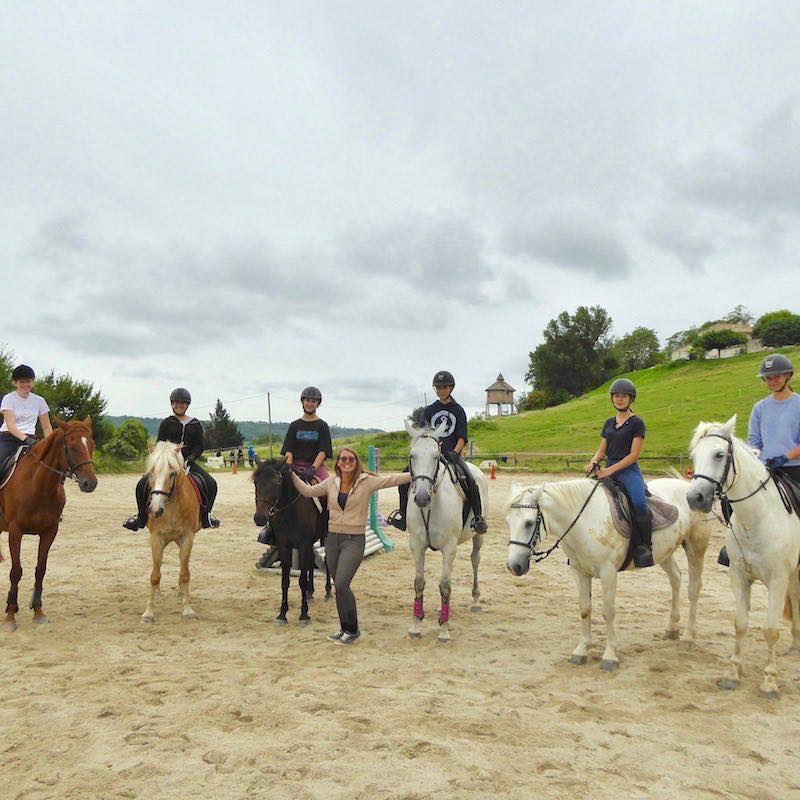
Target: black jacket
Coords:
[[191, 437]]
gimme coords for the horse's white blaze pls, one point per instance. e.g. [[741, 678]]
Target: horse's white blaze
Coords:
[[763, 543]]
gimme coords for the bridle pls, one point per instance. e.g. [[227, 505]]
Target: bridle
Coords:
[[540, 524], [432, 479], [71, 470], [274, 506]]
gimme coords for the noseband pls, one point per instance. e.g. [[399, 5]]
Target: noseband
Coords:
[[430, 478], [171, 491]]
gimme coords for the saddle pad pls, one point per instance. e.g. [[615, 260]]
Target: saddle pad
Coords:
[[664, 514], [10, 464]]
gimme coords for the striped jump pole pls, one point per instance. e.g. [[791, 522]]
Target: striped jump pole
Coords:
[[374, 460]]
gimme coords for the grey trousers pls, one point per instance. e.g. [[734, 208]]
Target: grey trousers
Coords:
[[344, 553]]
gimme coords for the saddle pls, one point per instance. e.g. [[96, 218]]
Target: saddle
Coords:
[[8, 466], [788, 489], [459, 477], [663, 514]]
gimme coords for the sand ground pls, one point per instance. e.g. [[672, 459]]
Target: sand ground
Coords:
[[98, 705]]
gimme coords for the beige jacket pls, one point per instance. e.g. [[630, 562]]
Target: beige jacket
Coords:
[[353, 518]]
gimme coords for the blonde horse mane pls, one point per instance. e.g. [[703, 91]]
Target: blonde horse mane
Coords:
[[164, 457]]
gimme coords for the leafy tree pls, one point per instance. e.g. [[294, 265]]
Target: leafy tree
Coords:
[[576, 355], [739, 316], [680, 339], [719, 340], [416, 415], [70, 398], [221, 431], [638, 349], [6, 368], [533, 400], [129, 441], [778, 328]]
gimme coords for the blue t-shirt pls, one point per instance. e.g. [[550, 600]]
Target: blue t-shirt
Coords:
[[775, 427], [619, 441]]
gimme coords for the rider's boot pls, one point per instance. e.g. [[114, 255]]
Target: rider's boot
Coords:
[[207, 519], [642, 551], [397, 519], [723, 557], [135, 522]]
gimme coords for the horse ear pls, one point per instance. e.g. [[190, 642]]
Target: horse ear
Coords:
[[59, 423], [410, 429], [730, 425], [440, 429], [89, 424]]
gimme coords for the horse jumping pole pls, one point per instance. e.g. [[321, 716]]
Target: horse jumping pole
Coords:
[[374, 456]]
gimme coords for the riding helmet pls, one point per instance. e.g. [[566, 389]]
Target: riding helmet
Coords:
[[623, 386], [443, 378], [22, 373], [311, 393], [777, 364], [180, 395]]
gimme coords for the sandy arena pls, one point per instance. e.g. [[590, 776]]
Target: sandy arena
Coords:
[[99, 705]]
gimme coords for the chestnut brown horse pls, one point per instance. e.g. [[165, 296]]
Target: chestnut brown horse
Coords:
[[33, 499]]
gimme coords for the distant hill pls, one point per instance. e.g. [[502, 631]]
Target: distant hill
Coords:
[[249, 429]]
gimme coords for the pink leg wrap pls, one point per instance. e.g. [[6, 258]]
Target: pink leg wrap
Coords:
[[444, 613], [418, 612]]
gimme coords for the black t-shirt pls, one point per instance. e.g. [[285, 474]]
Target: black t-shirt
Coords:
[[190, 436], [456, 422], [305, 439], [620, 440]]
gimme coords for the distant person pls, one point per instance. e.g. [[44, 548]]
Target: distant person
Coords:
[[240, 456], [219, 453], [453, 442], [251, 456], [774, 428], [234, 465], [621, 443], [179, 428], [21, 410]]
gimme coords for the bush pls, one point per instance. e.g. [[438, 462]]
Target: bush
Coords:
[[129, 442], [780, 332]]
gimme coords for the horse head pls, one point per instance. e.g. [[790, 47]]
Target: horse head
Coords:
[[524, 526], [268, 479], [165, 469], [423, 460], [78, 451], [713, 449]]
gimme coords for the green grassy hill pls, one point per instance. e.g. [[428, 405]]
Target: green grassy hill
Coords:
[[673, 398]]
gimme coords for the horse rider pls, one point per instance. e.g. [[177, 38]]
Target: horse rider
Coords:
[[306, 447], [621, 443], [180, 428], [774, 428], [21, 410], [453, 441]]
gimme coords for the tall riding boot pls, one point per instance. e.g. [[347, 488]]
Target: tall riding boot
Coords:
[[478, 522], [142, 495], [398, 518], [642, 550]]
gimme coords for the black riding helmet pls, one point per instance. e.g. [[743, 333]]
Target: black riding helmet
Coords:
[[23, 373], [777, 364], [180, 395], [623, 386], [311, 393], [443, 378]]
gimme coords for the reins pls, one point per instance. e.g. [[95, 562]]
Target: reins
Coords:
[[434, 481], [70, 471]]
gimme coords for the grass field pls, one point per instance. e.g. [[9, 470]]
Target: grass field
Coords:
[[673, 398]]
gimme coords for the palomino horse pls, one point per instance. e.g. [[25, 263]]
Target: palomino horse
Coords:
[[436, 521], [576, 512], [294, 521], [173, 516], [764, 539], [33, 499]]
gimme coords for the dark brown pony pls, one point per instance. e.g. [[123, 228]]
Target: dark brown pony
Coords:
[[32, 501]]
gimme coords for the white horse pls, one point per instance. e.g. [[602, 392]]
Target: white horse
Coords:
[[763, 542], [435, 520], [576, 513]]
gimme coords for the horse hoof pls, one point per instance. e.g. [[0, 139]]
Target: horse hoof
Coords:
[[9, 627], [578, 660], [793, 650], [609, 666], [280, 621], [772, 694], [304, 622], [691, 646], [727, 684], [328, 596], [189, 615], [41, 620], [443, 639], [148, 620], [476, 609], [676, 634], [415, 634]]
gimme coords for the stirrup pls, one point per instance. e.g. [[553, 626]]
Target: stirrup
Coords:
[[642, 557], [397, 520], [132, 523], [478, 524]]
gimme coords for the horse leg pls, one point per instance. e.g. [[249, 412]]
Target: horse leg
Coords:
[[741, 592], [670, 566], [418, 551], [45, 543], [794, 601], [157, 550], [448, 557], [185, 546], [477, 543], [584, 584], [694, 556], [306, 573], [285, 555], [777, 596], [608, 578], [15, 575]]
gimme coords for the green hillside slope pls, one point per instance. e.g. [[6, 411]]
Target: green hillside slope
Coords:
[[673, 398]]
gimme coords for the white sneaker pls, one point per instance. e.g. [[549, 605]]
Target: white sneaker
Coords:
[[334, 637], [348, 638]]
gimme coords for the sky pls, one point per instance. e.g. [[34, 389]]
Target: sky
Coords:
[[243, 197]]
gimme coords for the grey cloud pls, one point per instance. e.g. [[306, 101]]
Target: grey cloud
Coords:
[[573, 244]]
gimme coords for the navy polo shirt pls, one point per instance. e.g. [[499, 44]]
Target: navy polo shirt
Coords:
[[620, 440]]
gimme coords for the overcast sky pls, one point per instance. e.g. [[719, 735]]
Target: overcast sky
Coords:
[[247, 196]]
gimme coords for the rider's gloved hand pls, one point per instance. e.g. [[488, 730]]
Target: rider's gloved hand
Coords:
[[591, 468], [776, 462], [308, 473]]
